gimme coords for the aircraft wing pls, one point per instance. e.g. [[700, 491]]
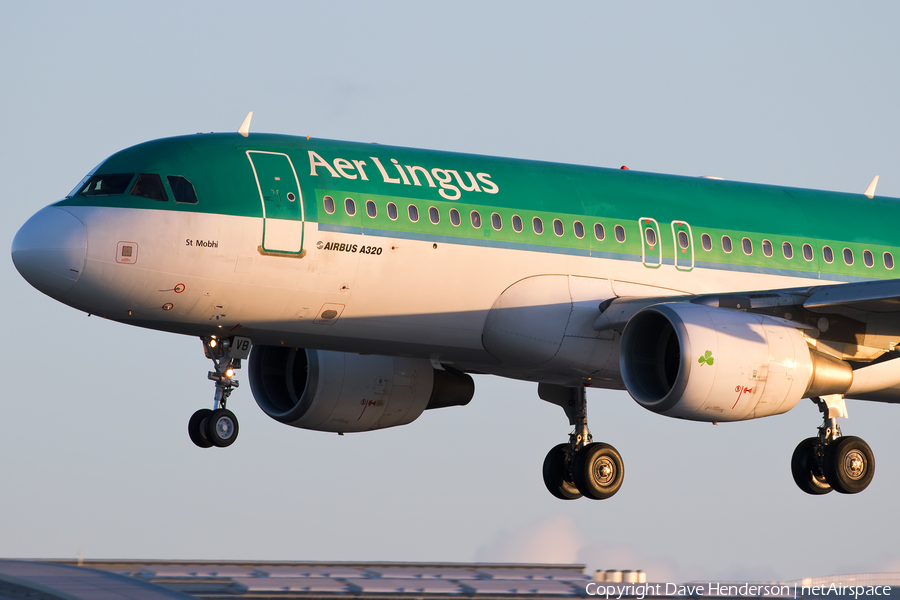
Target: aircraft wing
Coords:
[[858, 310], [871, 296]]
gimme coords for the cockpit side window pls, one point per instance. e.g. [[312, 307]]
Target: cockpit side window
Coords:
[[80, 186], [106, 185], [149, 185], [182, 189]]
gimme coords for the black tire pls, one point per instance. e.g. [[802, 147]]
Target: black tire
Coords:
[[555, 475], [221, 427], [599, 471], [804, 469], [849, 465], [196, 428]]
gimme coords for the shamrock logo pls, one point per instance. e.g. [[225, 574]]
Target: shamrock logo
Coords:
[[706, 359]]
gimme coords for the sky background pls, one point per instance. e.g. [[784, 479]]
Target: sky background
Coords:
[[94, 453]]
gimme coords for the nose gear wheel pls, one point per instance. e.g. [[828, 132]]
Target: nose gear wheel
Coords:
[[197, 428], [221, 427], [218, 426]]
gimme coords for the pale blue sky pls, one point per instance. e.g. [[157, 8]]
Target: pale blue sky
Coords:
[[94, 454]]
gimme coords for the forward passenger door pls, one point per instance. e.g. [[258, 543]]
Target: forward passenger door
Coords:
[[282, 206]]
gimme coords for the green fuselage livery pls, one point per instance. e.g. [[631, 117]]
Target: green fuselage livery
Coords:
[[370, 279], [218, 167]]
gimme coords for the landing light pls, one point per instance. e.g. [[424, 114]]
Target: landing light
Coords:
[[212, 343], [229, 372]]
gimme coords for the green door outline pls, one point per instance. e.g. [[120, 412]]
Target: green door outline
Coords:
[[683, 246], [282, 203], [651, 253]]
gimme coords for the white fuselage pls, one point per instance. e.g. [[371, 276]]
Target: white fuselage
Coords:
[[377, 295]]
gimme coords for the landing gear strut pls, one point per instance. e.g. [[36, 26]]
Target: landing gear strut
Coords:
[[581, 467], [830, 460], [219, 427]]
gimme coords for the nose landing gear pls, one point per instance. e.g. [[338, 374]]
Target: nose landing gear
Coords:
[[218, 426], [831, 461], [581, 467]]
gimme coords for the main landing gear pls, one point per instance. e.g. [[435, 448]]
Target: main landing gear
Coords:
[[219, 427], [580, 467], [830, 460]]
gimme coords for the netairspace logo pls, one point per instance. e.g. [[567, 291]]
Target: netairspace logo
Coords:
[[640, 591]]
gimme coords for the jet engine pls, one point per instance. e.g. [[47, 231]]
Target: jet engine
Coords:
[[342, 392], [704, 363]]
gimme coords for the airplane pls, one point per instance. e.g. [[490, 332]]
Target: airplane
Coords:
[[362, 284]]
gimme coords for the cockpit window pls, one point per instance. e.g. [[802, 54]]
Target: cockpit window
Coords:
[[149, 185], [183, 190], [81, 184], [106, 185]]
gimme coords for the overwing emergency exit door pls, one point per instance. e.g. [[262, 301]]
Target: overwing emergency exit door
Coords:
[[651, 244], [684, 245]]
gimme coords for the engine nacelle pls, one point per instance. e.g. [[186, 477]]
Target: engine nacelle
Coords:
[[342, 392], [703, 363]]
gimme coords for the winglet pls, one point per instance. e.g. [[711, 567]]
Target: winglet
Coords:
[[245, 129], [870, 191]]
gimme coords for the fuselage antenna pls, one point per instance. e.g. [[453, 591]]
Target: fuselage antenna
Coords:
[[245, 126], [870, 191]]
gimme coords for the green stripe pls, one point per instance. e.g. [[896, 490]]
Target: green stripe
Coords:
[[218, 167]]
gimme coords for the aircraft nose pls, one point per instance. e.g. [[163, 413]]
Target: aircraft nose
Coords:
[[49, 250]]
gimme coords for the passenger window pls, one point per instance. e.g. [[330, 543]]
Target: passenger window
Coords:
[[328, 201], [706, 242], [149, 185], [620, 233], [517, 223], [475, 217], [599, 232], [787, 250], [579, 229], [888, 260], [650, 236], [558, 227], [537, 225], [454, 217], [726, 244], [807, 252], [868, 259], [747, 246], [496, 222], [350, 206], [767, 248], [106, 185], [828, 254], [434, 215], [848, 256], [371, 209], [683, 240], [413, 211], [392, 211], [182, 189]]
